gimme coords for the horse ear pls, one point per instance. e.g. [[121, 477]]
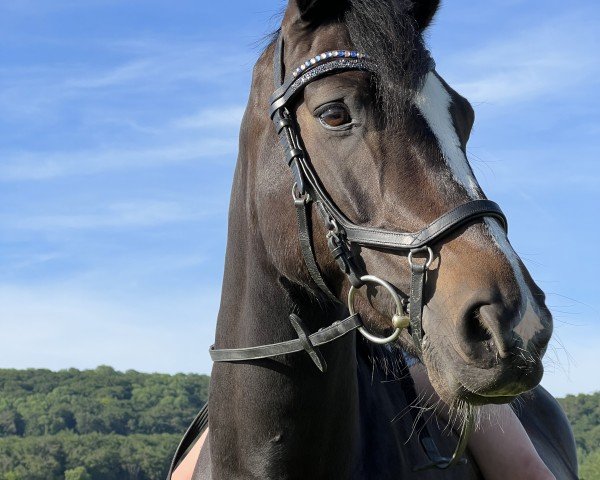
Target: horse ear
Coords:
[[317, 10], [423, 11]]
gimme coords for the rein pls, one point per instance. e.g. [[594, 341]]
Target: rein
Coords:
[[343, 233]]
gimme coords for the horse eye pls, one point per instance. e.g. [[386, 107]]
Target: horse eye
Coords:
[[335, 116]]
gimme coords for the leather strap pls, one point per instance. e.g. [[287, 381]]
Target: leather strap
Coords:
[[436, 460], [440, 227], [278, 64], [288, 91], [307, 345], [326, 335], [416, 304], [376, 237], [304, 235]]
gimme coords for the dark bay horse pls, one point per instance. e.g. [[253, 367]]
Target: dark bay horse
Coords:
[[387, 144]]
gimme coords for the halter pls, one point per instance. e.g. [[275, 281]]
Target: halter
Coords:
[[342, 233]]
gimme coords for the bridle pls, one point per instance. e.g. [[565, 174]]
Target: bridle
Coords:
[[343, 233]]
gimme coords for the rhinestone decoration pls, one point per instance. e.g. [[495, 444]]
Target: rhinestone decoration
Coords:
[[327, 55]]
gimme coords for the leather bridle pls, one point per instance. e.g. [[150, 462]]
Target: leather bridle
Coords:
[[343, 233]]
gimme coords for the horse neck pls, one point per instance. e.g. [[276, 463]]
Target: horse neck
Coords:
[[276, 413]]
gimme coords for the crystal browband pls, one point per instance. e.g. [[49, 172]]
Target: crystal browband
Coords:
[[326, 56]]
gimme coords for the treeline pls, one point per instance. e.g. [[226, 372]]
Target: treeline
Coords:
[[584, 414], [42, 402], [95, 424], [107, 425]]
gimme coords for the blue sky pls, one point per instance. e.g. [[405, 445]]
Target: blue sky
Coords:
[[118, 139]]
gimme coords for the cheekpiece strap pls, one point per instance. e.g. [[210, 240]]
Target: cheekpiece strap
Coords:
[[416, 305]]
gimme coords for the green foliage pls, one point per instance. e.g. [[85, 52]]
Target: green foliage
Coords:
[[590, 466], [107, 425], [70, 456], [94, 424], [77, 473], [41, 402], [583, 412]]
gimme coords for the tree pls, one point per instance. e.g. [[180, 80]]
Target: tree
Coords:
[[77, 473], [590, 466]]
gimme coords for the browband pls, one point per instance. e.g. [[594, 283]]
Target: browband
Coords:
[[286, 92]]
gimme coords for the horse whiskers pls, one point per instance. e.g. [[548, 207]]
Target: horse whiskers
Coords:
[[423, 406], [419, 403], [527, 356], [417, 419]]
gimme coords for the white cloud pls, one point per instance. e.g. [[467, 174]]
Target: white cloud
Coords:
[[547, 59], [151, 69], [120, 215], [48, 165], [17, 262], [541, 168], [227, 116], [35, 7], [60, 327], [58, 99], [113, 77]]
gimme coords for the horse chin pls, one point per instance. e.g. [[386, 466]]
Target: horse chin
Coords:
[[457, 382]]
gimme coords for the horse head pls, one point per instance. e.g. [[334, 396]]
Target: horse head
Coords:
[[389, 148]]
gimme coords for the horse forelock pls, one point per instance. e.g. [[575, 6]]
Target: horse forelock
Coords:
[[387, 32]]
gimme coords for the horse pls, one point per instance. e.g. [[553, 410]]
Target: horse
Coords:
[[374, 147]]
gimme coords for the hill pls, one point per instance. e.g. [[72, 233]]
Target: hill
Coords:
[[94, 424]]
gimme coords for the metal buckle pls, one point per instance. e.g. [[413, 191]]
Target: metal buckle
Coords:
[[299, 196], [333, 227], [399, 320], [427, 263]]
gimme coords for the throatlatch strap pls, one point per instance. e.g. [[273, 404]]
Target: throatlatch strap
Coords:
[[302, 207]]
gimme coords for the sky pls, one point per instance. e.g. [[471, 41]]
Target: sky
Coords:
[[118, 138]]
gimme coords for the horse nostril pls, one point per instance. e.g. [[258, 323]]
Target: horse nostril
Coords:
[[475, 331], [475, 339], [485, 332]]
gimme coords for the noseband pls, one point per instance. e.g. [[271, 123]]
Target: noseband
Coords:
[[343, 233]]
